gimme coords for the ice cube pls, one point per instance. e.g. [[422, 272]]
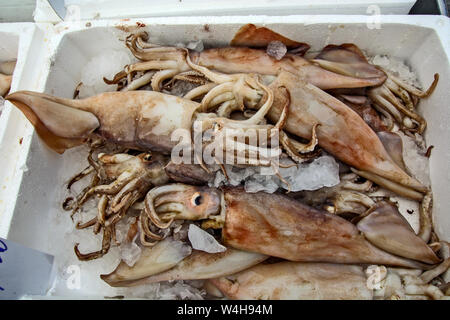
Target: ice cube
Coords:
[[380, 60], [276, 49], [415, 160], [130, 253], [202, 240], [235, 175], [257, 183], [219, 179], [321, 172]]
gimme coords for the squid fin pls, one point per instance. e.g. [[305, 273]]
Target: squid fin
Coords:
[[347, 59], [153, 260], [60, 125], [394, 146], [199, 265], [387, 229], [252, 36]]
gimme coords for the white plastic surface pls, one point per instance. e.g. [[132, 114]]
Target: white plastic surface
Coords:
[[17, 10], [44, 12], [31, 189], [112, 9], [24, 42]]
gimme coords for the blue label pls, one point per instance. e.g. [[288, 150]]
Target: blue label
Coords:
[[3, 248]]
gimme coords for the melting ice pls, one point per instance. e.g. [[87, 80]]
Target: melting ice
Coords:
[[276, 49], [321, 172], [202, 240]]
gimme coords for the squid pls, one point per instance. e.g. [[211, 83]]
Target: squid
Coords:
[[363, 107], [342, 133], [171, 62], [139, 120], [294, 281], [314, 281], [126, 178], [120, 180], [394, 96], [279, 226], [167, 262]]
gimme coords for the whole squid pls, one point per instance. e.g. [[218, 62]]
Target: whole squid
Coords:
[[242, 59], [280, 226]]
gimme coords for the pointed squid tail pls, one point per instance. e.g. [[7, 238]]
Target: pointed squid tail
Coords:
[[57, 121]]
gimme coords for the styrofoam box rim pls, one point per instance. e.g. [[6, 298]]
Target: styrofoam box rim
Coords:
[[12, 124], [111, 9], [41, 44]]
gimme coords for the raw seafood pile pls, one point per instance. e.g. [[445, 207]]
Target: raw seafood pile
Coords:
[[220, 221]]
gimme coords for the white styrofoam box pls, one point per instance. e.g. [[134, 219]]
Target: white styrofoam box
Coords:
[[112, 9], [45, 13], [21, 41], [31, 211]]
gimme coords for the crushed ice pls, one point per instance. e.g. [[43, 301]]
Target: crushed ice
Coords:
[[203, 241], [414, 157], [129, 251], [397, 67], [321, 172], [106, 65], [276, 49]]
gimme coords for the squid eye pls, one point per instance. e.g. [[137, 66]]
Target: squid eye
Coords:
[[148, 157], [196, 199]]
